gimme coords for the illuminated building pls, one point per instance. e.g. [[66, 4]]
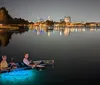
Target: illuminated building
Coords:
[[61, 20], [67, 19], [49, 18]]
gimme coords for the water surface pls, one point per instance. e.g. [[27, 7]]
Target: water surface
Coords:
[[76, 52]]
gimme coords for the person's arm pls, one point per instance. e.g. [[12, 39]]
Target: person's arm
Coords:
[[30, 61], [1, 66]]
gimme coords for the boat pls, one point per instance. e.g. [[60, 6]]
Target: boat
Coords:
[[21, 66]]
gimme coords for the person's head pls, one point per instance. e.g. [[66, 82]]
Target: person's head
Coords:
[[4, 57], [26, 55]]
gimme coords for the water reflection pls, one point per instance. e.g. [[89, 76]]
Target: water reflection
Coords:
[[16, 77], [49, 32], [5, 36], [60, 33], [66, 31], [74, 52]]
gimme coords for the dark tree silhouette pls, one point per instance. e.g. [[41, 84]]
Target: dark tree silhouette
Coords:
[[5, 18], [49, 23]]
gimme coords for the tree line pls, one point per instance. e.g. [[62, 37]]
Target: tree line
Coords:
[[5, 18]]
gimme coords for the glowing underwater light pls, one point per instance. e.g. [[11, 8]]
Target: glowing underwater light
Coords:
[[17, 77]]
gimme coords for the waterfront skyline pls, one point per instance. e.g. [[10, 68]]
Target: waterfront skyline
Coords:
[[79, 10]]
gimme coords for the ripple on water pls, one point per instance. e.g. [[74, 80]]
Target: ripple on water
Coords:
[[17, 77]]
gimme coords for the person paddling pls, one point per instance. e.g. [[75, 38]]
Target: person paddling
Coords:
[[29, 63], [12, 64], [4, 64]]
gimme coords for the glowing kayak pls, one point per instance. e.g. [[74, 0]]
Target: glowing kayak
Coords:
[[41, 64]]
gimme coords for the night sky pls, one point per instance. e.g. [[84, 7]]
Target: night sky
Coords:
[[79, 10]]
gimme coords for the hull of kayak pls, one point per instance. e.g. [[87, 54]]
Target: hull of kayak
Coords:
[[21, 66]]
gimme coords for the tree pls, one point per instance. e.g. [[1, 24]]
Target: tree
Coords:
[[5, 18], [49, 23]]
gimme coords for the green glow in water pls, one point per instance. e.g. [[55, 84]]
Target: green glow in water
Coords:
[[17, 77]]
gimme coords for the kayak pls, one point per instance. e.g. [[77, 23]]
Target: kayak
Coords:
[[41, 64], [44, 62]]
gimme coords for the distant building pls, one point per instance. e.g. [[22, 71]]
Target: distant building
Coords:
[[49, 18], [67, 19], [91, 24], [61, 20], [39, 19]]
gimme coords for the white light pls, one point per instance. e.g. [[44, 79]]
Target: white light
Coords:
[[48, 33], [38, 33], [60, 33]]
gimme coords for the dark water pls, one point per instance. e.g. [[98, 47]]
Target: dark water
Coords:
[[76, 53]]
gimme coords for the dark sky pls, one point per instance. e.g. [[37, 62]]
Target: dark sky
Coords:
[[79, 10]]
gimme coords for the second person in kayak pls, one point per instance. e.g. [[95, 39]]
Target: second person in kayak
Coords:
[[29, 62]]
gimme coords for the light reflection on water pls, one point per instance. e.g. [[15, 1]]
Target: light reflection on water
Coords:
[[6, 36], [65, 31], [80, 52], [18, 77]]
